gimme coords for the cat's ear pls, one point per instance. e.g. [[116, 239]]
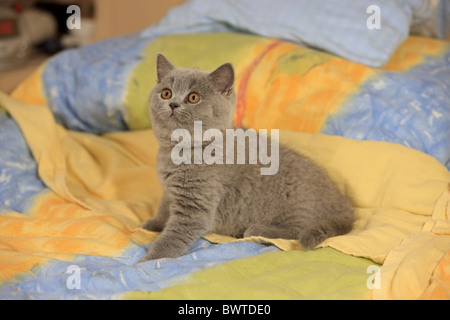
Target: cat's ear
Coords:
[[163, 66], [223, 78]]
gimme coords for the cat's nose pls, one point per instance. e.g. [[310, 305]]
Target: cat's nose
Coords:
[[173, 105]]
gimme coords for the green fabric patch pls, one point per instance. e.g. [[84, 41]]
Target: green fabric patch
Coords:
[[319, 274]]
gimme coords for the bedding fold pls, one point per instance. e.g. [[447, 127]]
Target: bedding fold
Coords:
[[103, 186]]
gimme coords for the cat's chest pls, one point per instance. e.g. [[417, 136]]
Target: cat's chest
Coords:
[[169, 174], [184, 175]]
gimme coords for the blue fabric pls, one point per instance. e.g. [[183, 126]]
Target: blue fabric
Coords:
[[411, 108], [339, 27], [19, 180], [85, 87], [106, 278]]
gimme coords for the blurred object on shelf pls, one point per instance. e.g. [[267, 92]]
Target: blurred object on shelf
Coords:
[[33, 30], [79, 37], [14, 41], [21, 29]]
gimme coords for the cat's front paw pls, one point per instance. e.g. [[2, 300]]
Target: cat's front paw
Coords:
[[153, 225], [160, 250], [151, 256]]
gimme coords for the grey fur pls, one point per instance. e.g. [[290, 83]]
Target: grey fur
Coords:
[[299, 202]]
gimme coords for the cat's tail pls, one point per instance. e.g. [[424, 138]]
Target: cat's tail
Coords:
[[324, 228]]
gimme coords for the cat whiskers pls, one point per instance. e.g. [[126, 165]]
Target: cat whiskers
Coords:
[[184, 116]]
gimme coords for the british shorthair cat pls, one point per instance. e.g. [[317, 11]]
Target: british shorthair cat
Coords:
[[298, 201]]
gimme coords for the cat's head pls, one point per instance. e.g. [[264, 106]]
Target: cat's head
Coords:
[[183, 96]]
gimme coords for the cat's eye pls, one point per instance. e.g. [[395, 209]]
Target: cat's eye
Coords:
[[193, 97], [166, 94]]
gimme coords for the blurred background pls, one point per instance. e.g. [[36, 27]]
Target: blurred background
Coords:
[[33, 30]]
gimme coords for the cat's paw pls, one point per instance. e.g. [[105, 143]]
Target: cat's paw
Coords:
[[162, 249], [153, 225], [151, 256], [154, 254], [311, 238]]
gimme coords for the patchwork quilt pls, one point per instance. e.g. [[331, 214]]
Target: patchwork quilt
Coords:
[[77, 173]]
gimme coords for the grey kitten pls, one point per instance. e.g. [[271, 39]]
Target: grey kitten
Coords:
[[298, 202]]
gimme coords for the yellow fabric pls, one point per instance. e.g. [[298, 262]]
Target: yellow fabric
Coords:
[[30, 90], [401, 195], [103, 187], [113, 173], [402, 201], [439, 287]]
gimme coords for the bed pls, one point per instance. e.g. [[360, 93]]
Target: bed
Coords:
[[365, 96]]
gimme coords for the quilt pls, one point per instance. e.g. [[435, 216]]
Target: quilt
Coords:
[[77, 173]]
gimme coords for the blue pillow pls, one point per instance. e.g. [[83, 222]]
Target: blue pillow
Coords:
[[364, 31]]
